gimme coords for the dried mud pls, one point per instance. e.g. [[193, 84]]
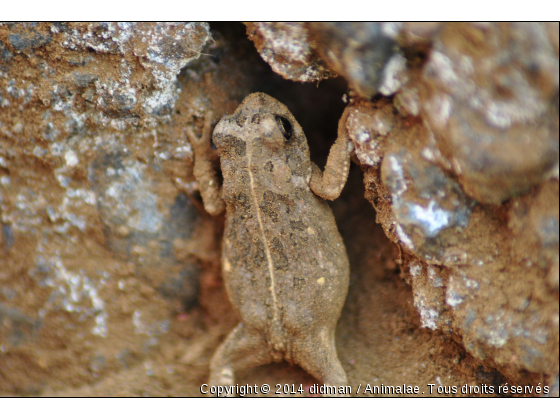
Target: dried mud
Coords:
[[110, 281]]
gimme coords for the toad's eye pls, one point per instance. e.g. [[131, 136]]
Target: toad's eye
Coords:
[[284, 126]]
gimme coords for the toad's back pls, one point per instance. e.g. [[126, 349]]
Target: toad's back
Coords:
[[284, 261]]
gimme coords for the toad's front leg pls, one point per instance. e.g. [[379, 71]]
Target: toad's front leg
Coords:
[[329, 184], [204, 170]]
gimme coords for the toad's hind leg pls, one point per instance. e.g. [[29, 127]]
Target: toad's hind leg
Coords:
[[243, 348], [317, 355]]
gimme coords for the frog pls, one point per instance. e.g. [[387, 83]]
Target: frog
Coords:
[[284, 262]]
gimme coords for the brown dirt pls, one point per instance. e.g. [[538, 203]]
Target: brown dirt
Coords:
[[378, 337]]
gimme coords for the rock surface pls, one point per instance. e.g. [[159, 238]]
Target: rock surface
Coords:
[[109, 267], [287, 48], [462, 167], [99, 246]]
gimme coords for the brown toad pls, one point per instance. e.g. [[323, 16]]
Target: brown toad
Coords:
[[284, 262]]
